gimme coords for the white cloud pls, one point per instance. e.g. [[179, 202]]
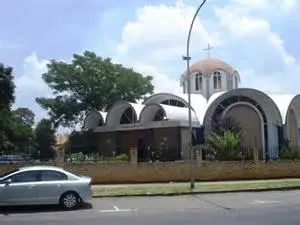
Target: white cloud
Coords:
[[29, 84], [163, 25], [156, 39], [153, 43], [161, 82]]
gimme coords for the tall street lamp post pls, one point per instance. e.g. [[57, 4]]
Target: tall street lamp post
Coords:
[[188, 58]]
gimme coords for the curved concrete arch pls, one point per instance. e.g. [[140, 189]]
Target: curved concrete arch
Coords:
[[292, 120], [267, 103], [168, 112], [117, 110], [160, 97], [295, 105], [198, 102], [94, 119], [219, 70], [271, 113], [283, 102], [236, 73]]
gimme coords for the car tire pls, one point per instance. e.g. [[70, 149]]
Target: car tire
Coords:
[[70, 200]]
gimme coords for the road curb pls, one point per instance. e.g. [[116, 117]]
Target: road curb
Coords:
[[200, 192]]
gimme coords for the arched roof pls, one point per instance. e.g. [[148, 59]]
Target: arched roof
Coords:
[[160, 97], [169, 112], [295, 105], [284, 103], [268, 105], [210, 65], [198, 102], [116, 111], [93, 119]]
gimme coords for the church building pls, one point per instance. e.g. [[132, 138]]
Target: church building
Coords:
[[162, 119]]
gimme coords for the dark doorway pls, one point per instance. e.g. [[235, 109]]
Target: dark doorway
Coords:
[[141, 150]]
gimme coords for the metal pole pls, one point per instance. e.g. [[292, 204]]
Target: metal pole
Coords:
[[187, 58]]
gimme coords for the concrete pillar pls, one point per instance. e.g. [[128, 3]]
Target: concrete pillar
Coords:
[[255, 155], [198, 153], [133, 155]]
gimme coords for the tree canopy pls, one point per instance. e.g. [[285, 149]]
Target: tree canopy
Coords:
[[25, 116], [15, 125], [45, 139], [7, 86], [90, 82]]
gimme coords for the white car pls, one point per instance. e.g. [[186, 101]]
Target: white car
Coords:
[[44, 185]]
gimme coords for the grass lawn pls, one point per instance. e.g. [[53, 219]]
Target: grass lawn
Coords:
[[183, 188]]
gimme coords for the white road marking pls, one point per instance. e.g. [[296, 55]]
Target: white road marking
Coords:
[[264, 202], [116, 209]]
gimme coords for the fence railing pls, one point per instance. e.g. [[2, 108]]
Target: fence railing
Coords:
[[200, 152]]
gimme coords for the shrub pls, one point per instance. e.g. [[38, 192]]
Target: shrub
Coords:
[[122, 157], [78, 156], [225, 146], [289, 152]]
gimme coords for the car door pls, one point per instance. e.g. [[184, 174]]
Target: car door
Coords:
[[51, 187], [19, 189]]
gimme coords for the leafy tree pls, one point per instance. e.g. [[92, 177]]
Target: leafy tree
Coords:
[[89, 82], [45, 139], [6, 121], [7, 89], [7, 86], [15, 126], [25, 116]]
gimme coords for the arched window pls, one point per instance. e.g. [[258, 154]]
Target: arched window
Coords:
[[236, 81], [198, 81], [128, 117], [217, 80], [159, 115], [173, 102]]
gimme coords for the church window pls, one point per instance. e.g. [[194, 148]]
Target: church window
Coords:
[[173, 102], [217, 80], [128, 117], [159, 115], [198, 81]]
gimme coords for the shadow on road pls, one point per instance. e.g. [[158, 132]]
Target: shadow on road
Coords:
[[6, 211]]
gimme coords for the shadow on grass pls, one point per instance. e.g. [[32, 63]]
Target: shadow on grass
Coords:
[[7, 210]]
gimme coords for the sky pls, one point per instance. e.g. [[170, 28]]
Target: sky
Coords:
[[258, 38]]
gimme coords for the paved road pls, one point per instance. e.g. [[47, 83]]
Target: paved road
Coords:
[[265, 208]]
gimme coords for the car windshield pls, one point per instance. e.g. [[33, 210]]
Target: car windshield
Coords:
[[7, 173]]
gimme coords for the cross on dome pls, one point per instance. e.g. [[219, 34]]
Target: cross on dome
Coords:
[[209, 47]]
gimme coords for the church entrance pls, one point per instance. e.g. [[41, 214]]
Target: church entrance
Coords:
[[253, 121], [252, 136], [142, 150]]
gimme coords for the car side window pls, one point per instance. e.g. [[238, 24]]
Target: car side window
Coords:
[[48, 175], [28, 176]]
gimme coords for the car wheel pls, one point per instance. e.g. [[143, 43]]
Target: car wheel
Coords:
[[70, 200]]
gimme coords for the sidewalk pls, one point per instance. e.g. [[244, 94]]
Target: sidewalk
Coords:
[[167, 189], [197, 183]]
